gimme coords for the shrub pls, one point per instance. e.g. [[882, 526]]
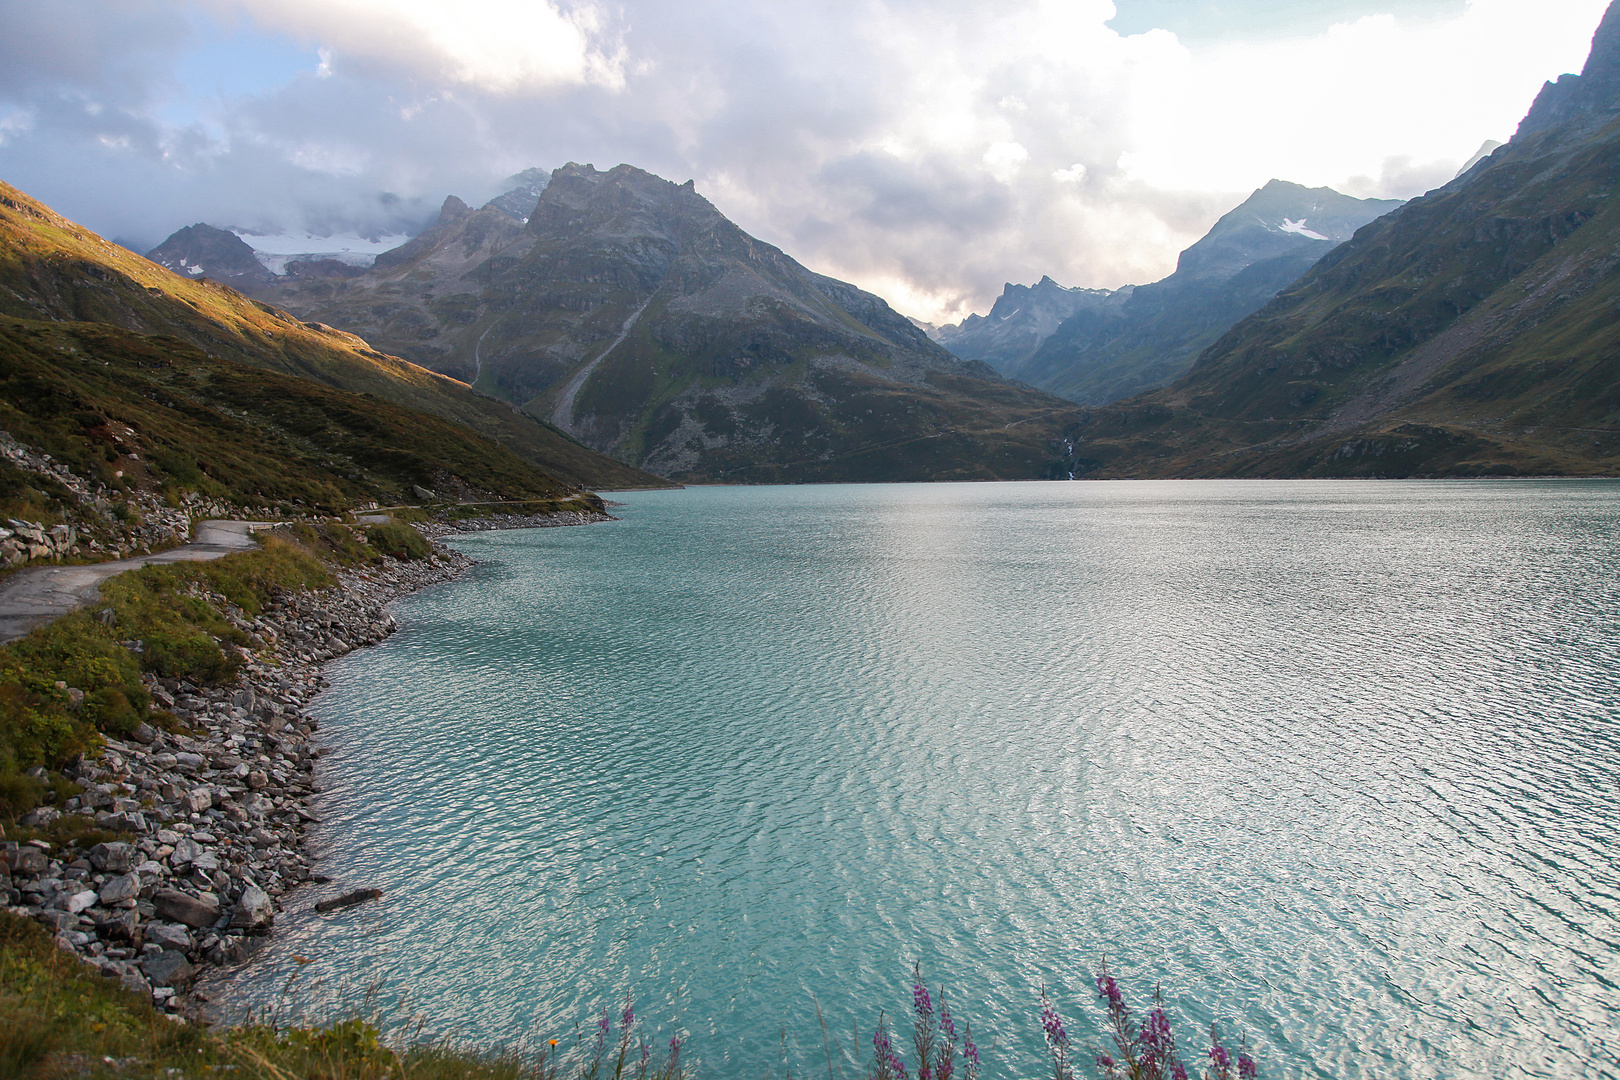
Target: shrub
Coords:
[[109, 709], [400, 541]]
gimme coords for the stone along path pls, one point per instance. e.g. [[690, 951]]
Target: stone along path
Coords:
[[32, 597]]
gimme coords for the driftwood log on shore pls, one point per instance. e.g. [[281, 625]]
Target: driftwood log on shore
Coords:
[[348, 899]]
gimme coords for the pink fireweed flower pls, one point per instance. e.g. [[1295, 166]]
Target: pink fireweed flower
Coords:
[[1108, 988], [1052, 1024], [920, 1000]]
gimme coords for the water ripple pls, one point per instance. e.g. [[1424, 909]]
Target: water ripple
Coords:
[[1332, 762]]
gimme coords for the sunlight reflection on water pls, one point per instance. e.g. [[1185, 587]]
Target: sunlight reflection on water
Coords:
[[1336, 763]]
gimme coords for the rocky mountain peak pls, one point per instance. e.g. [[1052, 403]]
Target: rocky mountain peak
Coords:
[[452, 210], [201, 250], [623, 201], [523, 190], [1278, 219], [1593, 95]]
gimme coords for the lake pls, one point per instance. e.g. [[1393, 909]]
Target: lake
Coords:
[[1336, 764]]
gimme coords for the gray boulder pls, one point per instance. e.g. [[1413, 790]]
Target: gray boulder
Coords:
[[115, 858], [178, 907], [169, 935], [254, 911], [121, 888], [167, 968]]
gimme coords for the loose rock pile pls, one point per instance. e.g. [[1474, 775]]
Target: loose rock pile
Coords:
[[147, 524], [436, 529], [26, 540], [214, 817]]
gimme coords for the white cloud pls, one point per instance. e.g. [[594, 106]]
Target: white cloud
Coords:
[[929, 150], [1005, 159], [502, 46], [1338, 105]]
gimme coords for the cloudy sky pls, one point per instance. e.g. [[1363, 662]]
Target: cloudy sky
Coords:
[[928, 151]]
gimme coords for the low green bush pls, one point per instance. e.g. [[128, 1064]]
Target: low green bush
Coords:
[[400, 541]]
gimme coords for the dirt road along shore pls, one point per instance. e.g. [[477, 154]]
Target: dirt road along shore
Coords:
[[32, 597]]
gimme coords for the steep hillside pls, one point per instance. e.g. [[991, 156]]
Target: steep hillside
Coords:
[[1474, 331], [135, 412], [635, 316], [1149, 339], [54, 270]]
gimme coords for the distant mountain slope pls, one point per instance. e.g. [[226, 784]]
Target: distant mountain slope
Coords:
[[1105, 353], [52, 269], [201, 250], [1023, 317], [1474, 331], [634, 315]]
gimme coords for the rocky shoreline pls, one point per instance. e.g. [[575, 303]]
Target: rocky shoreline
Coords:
[[210, 820], [436, 530], [209, 824]]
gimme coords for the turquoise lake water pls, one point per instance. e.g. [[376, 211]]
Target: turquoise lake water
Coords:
[[1336, 763]]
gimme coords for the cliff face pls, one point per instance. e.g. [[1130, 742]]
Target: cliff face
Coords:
[[1476, 330], [630, 313], [1591, 98]]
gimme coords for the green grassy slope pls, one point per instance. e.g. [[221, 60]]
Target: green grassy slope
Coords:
[[52, 269], [1472, 332], [106, 401]]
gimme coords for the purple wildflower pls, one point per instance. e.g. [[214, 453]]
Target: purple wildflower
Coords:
[[920, 1000], [1108, 988], [1247, 1069], [947, 1023], [1219, 1054], [628, 1018], [887, 1062], [1052, 1024]]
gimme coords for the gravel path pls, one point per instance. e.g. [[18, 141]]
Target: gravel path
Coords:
[[32, 597]]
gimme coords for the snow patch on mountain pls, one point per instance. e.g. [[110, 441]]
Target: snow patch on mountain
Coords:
[[275, 251], [1299, 228]]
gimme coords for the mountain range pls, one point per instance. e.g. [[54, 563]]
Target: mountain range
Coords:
[[1473, 331], [634, 316], [1021, 319], [1095, 346], [1469, 331], [54, 271]]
